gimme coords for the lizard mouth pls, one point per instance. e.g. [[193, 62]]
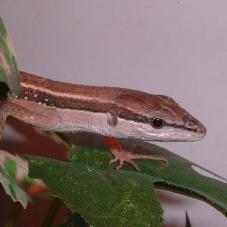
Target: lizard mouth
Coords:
[[192, 131], [179, 134]]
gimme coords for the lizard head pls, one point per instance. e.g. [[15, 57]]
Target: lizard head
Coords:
[[153, 117]]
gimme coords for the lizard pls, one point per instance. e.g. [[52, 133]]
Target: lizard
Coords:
[[112, 112]]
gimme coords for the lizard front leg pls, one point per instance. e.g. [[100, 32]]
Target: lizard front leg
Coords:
[[122, 155]]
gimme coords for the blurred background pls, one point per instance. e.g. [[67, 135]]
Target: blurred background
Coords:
[[175, 47]]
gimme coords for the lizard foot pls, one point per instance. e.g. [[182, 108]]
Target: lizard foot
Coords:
[[124, 156]]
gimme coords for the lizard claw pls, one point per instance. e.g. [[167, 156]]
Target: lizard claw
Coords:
[[122, 161], [113, 161]]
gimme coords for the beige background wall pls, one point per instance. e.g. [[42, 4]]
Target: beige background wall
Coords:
[[174, 47]]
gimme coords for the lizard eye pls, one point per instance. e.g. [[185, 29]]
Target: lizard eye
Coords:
[[157, 122]]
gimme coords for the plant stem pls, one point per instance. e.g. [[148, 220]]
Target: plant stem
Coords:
[[52, 213], [11, 221]]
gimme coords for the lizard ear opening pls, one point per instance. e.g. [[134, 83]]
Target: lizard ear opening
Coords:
[[112, 119]]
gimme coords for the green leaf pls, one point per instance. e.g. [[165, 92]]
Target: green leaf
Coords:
[[9, 72], [101, 197], [181, 176], [11, 167]]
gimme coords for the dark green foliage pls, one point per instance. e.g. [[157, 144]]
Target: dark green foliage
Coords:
[[178, 176], [103, 198]]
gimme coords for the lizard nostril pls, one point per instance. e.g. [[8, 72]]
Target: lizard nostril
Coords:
[[196, 126], [202, 129]]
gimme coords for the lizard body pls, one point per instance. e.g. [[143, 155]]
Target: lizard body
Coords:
[[109, 111]]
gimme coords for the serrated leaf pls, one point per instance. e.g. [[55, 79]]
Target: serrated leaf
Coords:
[[11, 168], [179, 176], [102, 198], [9, 72]]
